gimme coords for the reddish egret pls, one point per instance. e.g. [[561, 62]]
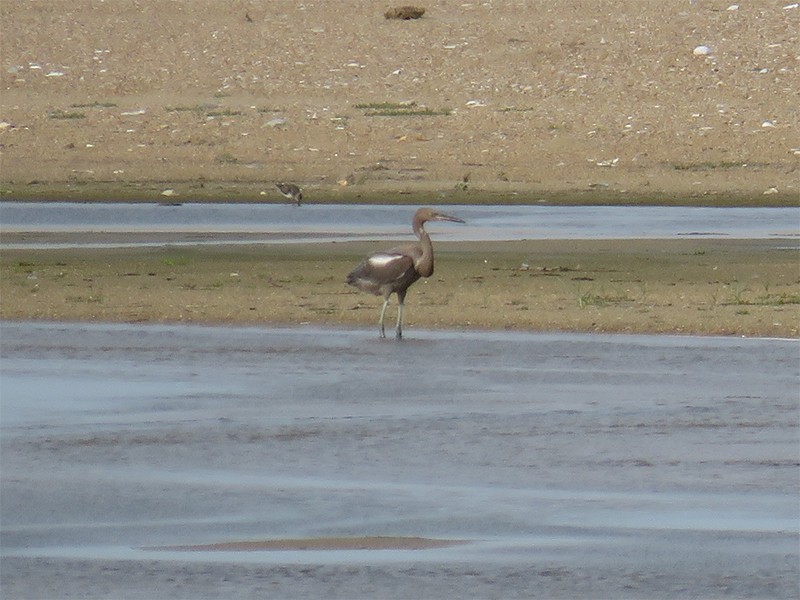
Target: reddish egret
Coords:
[[393, 271], [291, 191]]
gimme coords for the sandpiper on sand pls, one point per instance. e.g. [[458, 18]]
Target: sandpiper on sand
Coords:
[[291, 191]]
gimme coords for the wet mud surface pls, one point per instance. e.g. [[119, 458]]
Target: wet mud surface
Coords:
[[564, 465]]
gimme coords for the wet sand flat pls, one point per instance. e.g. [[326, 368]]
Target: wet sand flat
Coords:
[[569, 465], [701, 286]]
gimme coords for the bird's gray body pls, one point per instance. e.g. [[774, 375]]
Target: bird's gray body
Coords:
[[393, 271], [291, 191], [385, 273]]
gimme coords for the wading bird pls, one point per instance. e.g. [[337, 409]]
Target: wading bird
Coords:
[[291, 191], [393, 271]]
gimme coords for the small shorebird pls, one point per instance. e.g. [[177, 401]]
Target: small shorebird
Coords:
[[291, 191]]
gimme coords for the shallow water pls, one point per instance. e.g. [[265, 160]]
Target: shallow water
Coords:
[[572, 465], [262, 223]]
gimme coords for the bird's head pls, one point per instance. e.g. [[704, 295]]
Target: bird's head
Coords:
[[429, 214]]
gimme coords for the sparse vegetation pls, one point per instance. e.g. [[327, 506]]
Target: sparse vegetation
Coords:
[[738, 290], [386, 105], [175, 261], [709, 165], [227, 158], [223, 113], [400, 109], [419, 112], [206, 110], [627, 286], [94, 105], [516, 109], [592, 297], [62, 114], [195, 108]]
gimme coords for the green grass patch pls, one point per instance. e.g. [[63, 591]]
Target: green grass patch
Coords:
[[67, 115], [769, 300], [227, 158], [590, 298], [506, 109], [204, 109], [386, 105], [175, 261], [421, 112], [94, 105], [223, 113], [400, 109], [709, 165], [196, 108]]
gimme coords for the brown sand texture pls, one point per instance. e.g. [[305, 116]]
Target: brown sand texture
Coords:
[[607, 100]]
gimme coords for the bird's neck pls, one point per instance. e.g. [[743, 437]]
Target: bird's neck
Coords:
[[424, 265]]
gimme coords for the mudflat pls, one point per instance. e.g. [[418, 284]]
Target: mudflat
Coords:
[[515, 101], [697, 286]]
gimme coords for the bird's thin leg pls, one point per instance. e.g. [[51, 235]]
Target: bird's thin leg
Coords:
[[383, 312], [400, 307]]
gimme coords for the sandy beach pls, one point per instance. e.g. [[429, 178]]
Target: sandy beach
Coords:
[[586, 101]]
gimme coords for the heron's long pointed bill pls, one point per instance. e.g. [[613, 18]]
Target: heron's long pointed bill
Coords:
[[444, 217]]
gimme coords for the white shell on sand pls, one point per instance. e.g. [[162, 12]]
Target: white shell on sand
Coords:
[[701, 51]]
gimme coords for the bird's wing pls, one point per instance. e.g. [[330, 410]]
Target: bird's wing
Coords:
[[411, 251], [386, 267], [379, 269]]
